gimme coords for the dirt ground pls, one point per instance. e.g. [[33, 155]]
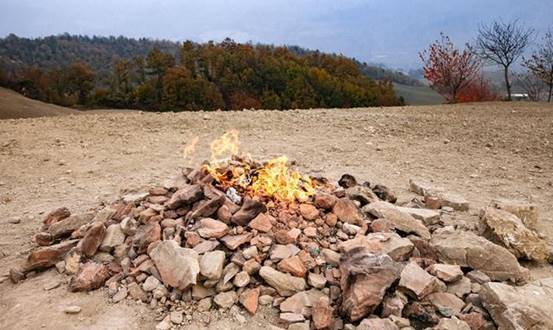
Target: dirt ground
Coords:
[[483, 151]]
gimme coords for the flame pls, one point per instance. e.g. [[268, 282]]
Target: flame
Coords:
[[189, 149], [273, 179]]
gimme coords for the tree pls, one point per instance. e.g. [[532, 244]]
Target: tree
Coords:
[[479, 90], [80, 80], [503, 44], [448, 69], [541, 62], [532, 85]]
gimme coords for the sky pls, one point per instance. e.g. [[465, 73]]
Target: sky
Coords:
[[390, 32]]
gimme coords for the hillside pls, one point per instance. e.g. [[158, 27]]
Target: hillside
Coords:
[[418, 95], [14, 105]]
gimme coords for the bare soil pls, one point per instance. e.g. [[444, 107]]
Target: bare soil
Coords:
[[482, 151]]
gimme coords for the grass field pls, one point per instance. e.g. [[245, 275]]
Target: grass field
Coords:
[[418, 95]]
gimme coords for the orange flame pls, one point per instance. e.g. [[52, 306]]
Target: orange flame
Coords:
[[274, 179]]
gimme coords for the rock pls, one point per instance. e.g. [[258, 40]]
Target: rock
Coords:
[[417, 282], [466, 249], [302, 302], [393, 305], [56, 216], [347, 181], [165, 324], [211, 228], [348, 212], [92, 239], [298, 326], [176, 317], [400, 220], [136, 292], [91, 276], [397, 247], [448, 304], [113, 238], [285, 284], [261, 223], [150, 284], [266, 300], [120, 295], [365, 277], [72, 309], [225, 299], [331, 257], [14, 220], [66, 226], [43, 238], [376, 323], [526, 307], [128, 226], [350, 229], [363, 194], [293, 265], [428, 217], [508, 230], [309, 211], [200, 292], [207, 208], [250, 252], [47, 256], [204, 305], [324, 201], [316, 280], [446, 273], [145, 235], [460, 288], [291, 317], [249, 299], [211, 264], [251, 266], [206, 246], [177, 266], [72, 262], [452, 324], [241, 279], [474, 320], [185, 196], [233, 242], [445, 198], [526, 212], [322, 314], [478, 277], [384, 193], [249, 210]]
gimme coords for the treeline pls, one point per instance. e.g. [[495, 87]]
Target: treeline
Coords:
[[224, 75]]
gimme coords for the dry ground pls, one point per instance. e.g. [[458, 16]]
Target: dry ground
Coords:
[[483, 151]]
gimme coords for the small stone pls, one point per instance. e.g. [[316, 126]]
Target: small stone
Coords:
[[293, 265], [72, 310], [249, 210], [316, 280], [14, 220], [211, 228], [91, 276], [233, 242], [211, 264], [285, 284], [176, 317], [136, 292], [417, 281], [322, 314], [150, 284], [324, 201], [261, 223], [120, 295], [309, 212], [241, 279], [446, 273], [249, 299], [291, 317], [225, 299], [310, 232]]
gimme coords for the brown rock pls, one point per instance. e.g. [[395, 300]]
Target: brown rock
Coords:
[[211, 228], [446, 303], [324, 201], [91, 276], [285, 284], [446, 273], [362, 194], [467, 249], [261, 223], [66, 226], [48, 256], [249, 299], [508, 230], [347, 181], [249, 210], [474, 320], [56, 216], [526, 212], [365, 279], [376, 323], [185, 196], [206, 246], [177, 266], [309, 212], [293, 265], [43, 238], [224, 214], [207, 208], [92, 239], [225, 299], [233, 242], [402, 221], [452, 324], [381, 225], [322, 314], [417, 281], [384, 193], [114, 237], [211, 264], [145, 235], [347, 211], [302, 302], [136, 292]]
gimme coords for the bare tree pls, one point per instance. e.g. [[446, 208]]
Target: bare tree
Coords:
[[541, 62], [532, 85], [503, 44]]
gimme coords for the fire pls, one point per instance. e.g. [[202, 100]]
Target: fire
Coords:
[[273, 179]]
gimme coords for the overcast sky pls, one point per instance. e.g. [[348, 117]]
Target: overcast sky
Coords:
[[391, 32]]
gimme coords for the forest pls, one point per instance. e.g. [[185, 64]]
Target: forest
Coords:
[[158, 75]]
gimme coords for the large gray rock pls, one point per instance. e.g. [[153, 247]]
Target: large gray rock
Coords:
[[177, 266], [525, 307], [508, 230], [402, 221], [467, 249]]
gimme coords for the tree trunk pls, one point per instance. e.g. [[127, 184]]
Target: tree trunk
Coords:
[[507, 84]]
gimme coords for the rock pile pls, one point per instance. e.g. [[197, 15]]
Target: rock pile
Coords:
[[346, 258]]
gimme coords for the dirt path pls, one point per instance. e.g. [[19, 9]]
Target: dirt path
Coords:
[[483, 151]]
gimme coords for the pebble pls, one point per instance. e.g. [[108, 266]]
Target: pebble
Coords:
[[14, 220], [52, 285], [72, 310]]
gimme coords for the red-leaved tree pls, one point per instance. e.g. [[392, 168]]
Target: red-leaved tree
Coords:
[[448, 69], [479, 90]]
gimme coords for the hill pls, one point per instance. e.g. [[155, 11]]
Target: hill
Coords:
[[14, 105], [418, 95]]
